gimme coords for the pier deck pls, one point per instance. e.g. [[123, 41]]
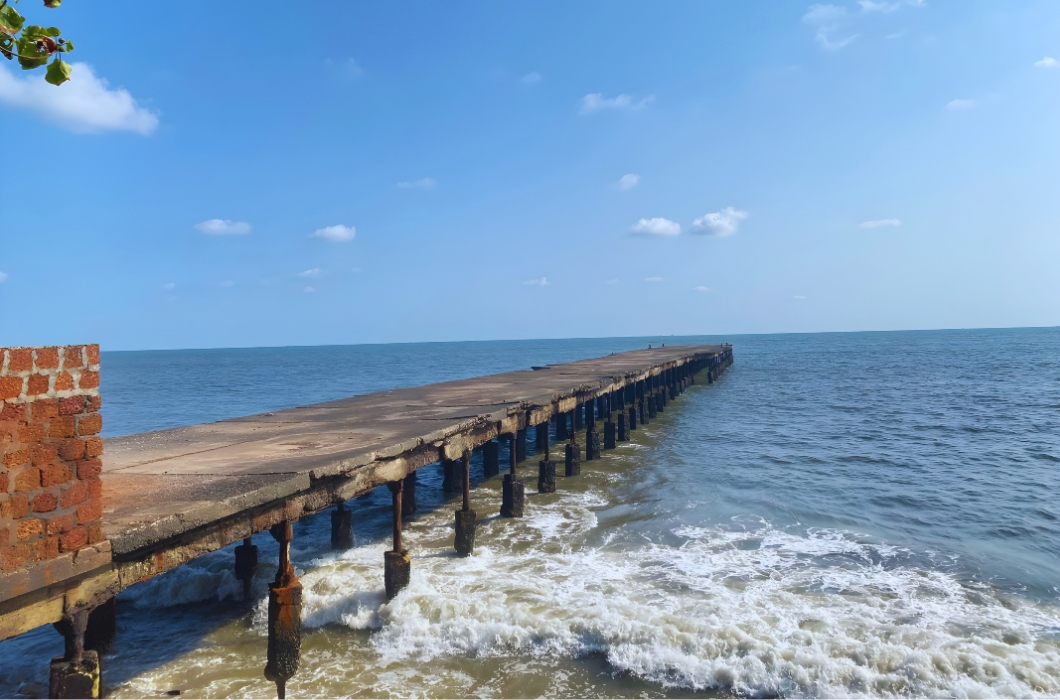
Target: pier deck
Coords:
[[172, 495]]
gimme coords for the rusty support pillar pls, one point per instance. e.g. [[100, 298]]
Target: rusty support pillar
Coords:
[[408, 495], [75, 674], [465, 517], [512, 496], [610, 429], [592, 436], [573, 454], [579, 413], [246, 563], [397, 566], [285, 615], [561, 427], [491, 458], [546, 468], [650, 398], [541, 438], [520, 445], [341, 528], [102, 626]]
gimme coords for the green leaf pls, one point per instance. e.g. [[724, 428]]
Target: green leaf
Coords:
[[68, 46], [58, 72], [51, 31], [29, 57], [10, 20]]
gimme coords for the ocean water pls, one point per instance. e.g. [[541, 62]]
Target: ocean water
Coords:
[[865, 514]]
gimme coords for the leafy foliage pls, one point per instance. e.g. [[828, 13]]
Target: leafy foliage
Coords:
[[33, 45]]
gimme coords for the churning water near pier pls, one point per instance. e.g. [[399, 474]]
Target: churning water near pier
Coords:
[[867, 514]]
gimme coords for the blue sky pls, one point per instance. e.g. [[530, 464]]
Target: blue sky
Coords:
[[229, 174]]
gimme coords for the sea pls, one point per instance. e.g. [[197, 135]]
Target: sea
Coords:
[[840, 515]]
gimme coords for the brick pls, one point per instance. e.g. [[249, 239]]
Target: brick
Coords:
[[89, 424], [10, 388], [72, 449], [43, 454], [95, 488], [5, 536], [93, 353], [89, 469], [17, 458], [71, 406], [73, 540], [3, 483], [43, 410], [95, 533], [47, 548], [73, 357], [93, 447], [88, 380], [20, 360], [14, 556], [30, 433], [55, 474], [47, 358], [62, 427], [16, 507], [89, 512], [28, 529], [37, 384], [59, 524], [13, 411], [43, 502], [27, 479], [64, 381], [92, 403], [73, 495]]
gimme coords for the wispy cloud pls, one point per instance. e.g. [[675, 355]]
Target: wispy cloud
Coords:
[[223, 227], [531, 78], [1047, 62], [309, 290], [3, 277], [337, 233], [961, 104], [628, 182], [874, 6], [829, 20], [596, 101], [315, 272], [701, 288], [427, 183], [84, 105], [720, 223], [879, 223], [653, 279], [348, 67], [542, 282], [656, 227], [169, 285]]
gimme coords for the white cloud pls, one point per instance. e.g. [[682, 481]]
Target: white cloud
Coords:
[[84, 105], [223, 227], [701, 288], [427, 183], [828, 19], [1047, 62], [596, 101], [657, 227], [961, 104], [531, 78], [337, 233], [169, 285], [543, 282], [879, 223], [721, 223], [874, 6], [628, 182], [653, 279], [315, 272], [309, 290], [226, 283], [3, 276]]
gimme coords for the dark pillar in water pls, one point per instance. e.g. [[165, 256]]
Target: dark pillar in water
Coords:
[[465, 517], [650, 398], [491, 459], [397, 566], [102, 626], [579, 423], [573, 461], [592, 437], [512, 496], [285, 615], [520, 445], [246, 563], [561, 427], [408, 495], [546, 468], [610, 429], [450, 477], [541, 438], [75, 674], [341, 528]]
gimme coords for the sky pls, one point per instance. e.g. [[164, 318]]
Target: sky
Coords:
[[234, 174]]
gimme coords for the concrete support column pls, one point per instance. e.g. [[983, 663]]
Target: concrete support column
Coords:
[[246, 563], [541, 438], [573, 461], [579, 423], [397, 566], [450, 476], [546, 468], [102, 626], [408, 495], [512, 496], [341, 528], [491, 452], [651, 398], [285, 615], [75, 674], [561, 427], [520, 445], [623, 417], [465, 517]]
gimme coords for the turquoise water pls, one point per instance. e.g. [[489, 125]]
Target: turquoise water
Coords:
[[842, 514]]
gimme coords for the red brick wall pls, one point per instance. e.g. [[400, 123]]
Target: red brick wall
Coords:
[[50, 500]]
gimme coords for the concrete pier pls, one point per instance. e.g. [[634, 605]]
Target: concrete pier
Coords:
[[170, 496]]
